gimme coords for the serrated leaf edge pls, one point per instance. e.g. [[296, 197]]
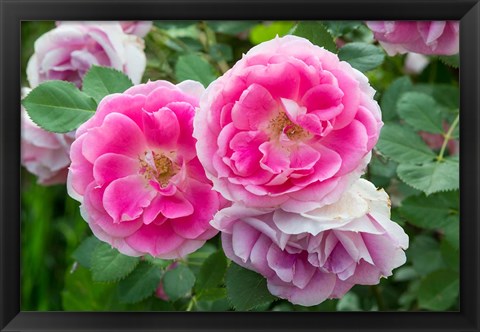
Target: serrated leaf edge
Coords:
[[61, 82], [428, 193], [115, 280]]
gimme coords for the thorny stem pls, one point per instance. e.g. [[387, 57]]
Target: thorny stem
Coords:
[[447, 138]]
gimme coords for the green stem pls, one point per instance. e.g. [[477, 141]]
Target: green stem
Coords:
[[378, 297], [208, 39], [156, 32], [447, 138], [193, 300]]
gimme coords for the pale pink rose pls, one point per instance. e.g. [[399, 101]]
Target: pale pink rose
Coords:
[[415, 63], [68, 51], [44, 154], [424, 37], [289, 125], [313, 256], [135, 171], [138, 28]]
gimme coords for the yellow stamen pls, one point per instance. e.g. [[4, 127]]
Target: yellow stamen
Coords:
[[157, 166]]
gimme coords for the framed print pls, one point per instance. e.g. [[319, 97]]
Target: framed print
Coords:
[[239, 165]]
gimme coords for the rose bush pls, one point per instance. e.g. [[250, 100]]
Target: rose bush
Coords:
[[285, 135], [135, 171], [319, 254], [424, 37], [288, 125], [69, 50]]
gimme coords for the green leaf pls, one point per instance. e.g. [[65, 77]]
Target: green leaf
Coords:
[[231, 27], [110, 265], [421, 112], [432, 176], [177, 24], [452, 232], [194, 67], [162, 263], [385, 168], [452, 60], [81, 293], [340, 28], [83, 254], [439, 290], [196, 259], [451, 255], [349, 302], [246, 289], [140, 284], [381, 171], [405, 273], [178, 282], [59, 106], [263, 32], [212, 271], [212, 294], [408, 297], [391, 95], [424, 253], [102, 81], [430, 212], [317, 33], [221, 52], [403, 145], [446, 95], [362, 56]]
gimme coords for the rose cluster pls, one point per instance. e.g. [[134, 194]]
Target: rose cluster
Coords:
[[270, 154], [285, 136]]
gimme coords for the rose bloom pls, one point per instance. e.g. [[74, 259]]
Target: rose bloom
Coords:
[[424, 37], [289, 125], [310, 257], [138, 28], [68, 51], [415, 63], [44, 154], [135, 171]]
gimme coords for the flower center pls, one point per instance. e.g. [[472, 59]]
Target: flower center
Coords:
[[157, 166], [281, 123]]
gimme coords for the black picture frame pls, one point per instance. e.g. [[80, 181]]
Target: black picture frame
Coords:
[[12, 12]]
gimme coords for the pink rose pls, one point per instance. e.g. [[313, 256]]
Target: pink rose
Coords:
[[424, 37], [289, 125], [69, 50], [138, 28], [310, 257], [44, 154], [135, 171]]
